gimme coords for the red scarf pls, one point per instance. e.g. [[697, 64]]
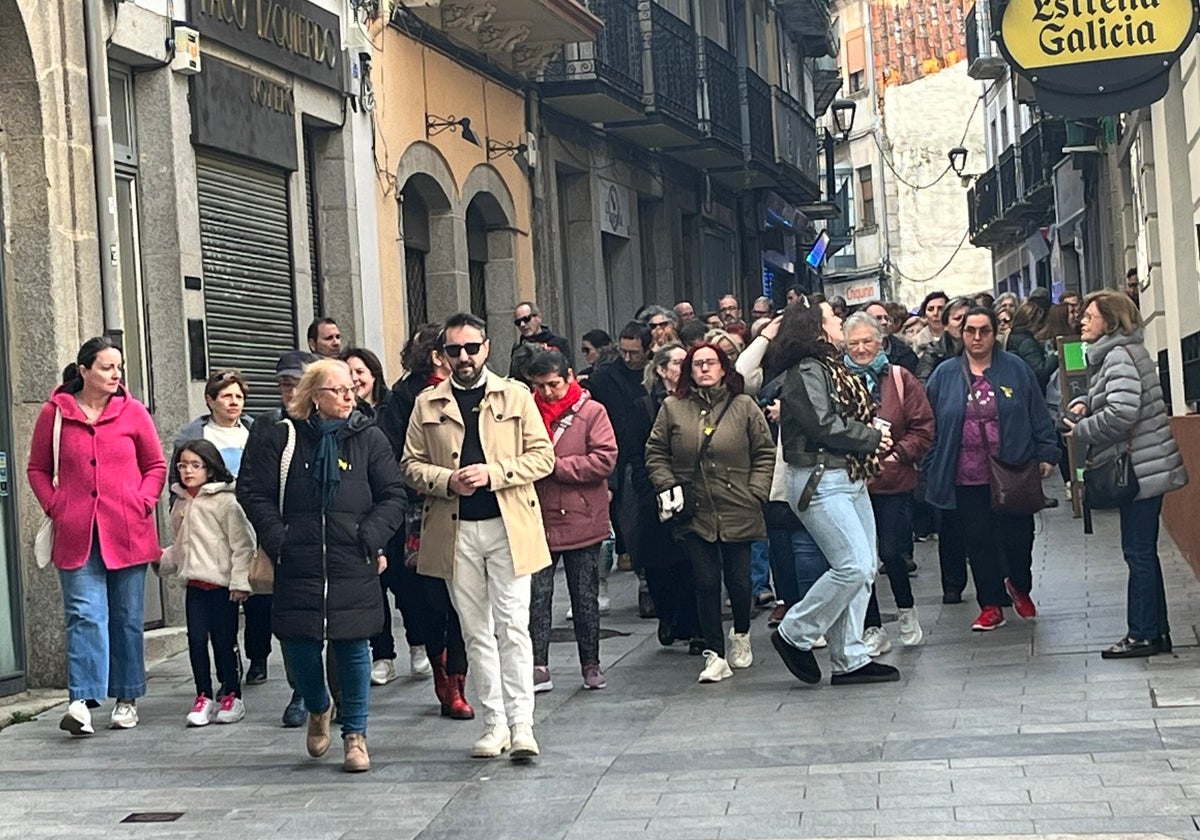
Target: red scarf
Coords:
[[552, 412], [433, 379]]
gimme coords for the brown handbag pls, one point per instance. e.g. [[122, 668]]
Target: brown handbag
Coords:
[[262, 567], [1016, 488]]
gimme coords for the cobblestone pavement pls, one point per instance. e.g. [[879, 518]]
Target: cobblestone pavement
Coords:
[[1021, 731]]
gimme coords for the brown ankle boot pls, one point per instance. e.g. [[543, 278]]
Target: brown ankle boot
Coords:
[[441, 682], [318, 732], [460, 709], [357, 760]]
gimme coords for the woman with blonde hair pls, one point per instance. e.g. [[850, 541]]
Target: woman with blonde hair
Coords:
[[326, 530], [731, 344]]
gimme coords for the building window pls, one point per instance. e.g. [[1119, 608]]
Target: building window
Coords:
[[866, 193], [856, 59]]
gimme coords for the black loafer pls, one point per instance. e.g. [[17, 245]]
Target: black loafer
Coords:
[[802, 664], [696, 647], [1164, 643], [872, 672], [256, 674], [951, 597], [1129, 648], [666, 636]]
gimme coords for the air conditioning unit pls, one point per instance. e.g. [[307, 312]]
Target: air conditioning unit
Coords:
[[983, 57]]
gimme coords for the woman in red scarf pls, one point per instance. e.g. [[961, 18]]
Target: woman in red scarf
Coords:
[[574, 502]]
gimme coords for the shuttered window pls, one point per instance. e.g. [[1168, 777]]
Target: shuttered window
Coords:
[[856, 59], [314, 239], [249, 293]]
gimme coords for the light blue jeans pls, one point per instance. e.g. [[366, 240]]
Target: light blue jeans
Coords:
[[842, 522], [104, 610], [352, 659], [760, 568]]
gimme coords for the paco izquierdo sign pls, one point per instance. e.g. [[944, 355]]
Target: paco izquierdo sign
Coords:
[[1089, 58]]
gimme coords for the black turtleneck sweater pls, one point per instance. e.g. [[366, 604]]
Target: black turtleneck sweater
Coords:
[[482, 504]]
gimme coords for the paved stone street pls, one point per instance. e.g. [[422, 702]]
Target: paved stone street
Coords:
[[1021, 731]]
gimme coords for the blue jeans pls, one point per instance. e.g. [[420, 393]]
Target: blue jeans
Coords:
[[104, 610], [1146, 600], [353, 658], [760, 568], [842, 523], [797, 561]]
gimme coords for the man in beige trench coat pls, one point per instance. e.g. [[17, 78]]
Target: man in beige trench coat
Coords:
[[476, 444]]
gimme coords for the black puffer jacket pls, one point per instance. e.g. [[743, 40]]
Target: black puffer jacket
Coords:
[[326, 583]]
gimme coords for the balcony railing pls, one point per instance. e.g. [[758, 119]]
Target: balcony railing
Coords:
[[721, 116], [760, 139], [795, 135], [615, 57], [1041, 150], [987, 201], [1010, 187], [673, 60]]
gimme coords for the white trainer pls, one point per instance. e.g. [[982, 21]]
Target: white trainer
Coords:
[[740, 654], [204, 711], [910, 627], [524, 746], [496, 739], [124, 715], [877, 641], [78, 719], [419, 662], [231, 710], [604, 603], [715, 668], [383, 671]]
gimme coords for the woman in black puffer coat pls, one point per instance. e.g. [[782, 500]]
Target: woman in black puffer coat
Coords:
[[344, 499]]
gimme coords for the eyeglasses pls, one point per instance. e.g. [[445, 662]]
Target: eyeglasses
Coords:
[[705, 363], [185, 466], [656, 324], [865, 342], [453, 351], [520, 322], [980, 332], [341, 392]]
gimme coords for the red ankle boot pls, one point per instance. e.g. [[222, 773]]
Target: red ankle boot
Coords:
[[441, 682], [459, 708]]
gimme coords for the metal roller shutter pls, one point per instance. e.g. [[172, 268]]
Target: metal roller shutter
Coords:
[[249, 293]]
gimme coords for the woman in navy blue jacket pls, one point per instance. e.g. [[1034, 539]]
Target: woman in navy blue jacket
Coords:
[[988, 403]]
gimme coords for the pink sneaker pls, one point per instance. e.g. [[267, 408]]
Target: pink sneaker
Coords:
[[204, 712], [232, 710]]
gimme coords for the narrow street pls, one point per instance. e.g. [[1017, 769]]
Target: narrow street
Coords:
[[1021, 731]]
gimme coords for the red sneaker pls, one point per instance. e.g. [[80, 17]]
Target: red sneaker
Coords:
[[989, 619], [1022, 603]]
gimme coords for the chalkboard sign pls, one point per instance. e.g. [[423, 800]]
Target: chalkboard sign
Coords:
[[1073, 382]]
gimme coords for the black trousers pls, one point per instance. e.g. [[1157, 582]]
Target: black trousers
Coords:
[[952, 551], [401, 581], [257, 633], [213, 618], [709, 560], [668, 574], [998, 546], [440, 627]]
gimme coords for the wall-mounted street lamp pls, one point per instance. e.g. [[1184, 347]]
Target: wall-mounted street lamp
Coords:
[[958, 160], [495, 150], [843, 116], [436, 125]]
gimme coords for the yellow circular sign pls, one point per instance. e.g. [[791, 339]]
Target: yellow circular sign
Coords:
[[1055, 33]]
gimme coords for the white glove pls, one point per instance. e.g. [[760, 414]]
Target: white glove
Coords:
[[670, 502]]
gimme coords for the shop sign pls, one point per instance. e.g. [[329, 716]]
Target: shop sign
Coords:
[[856, 292], [614, 208], [1089, 58], [293, 35], [244, 113]]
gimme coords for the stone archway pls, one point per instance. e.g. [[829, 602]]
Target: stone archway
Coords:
[[491, 246], [433, 233]]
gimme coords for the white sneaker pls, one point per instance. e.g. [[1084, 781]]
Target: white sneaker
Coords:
[[821, 642], [419, 662], [496, 739], [124, 715], [603, 601], [523, 744], [232, 709], [203, 712], [877, 641], [78, 719], [740, 655], [715, 668], [910, 627], [570, 614], [383, 671]]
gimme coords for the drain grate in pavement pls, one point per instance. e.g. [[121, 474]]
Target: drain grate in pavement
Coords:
[[567, 634], [153, 817]]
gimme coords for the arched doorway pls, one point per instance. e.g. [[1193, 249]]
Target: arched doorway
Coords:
[[427, 229], [491, 267]]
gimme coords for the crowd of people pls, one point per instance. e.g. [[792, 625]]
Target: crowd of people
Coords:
[[780, 463]]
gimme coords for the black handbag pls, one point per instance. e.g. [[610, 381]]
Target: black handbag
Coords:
[[688, 511], [1112, 483]]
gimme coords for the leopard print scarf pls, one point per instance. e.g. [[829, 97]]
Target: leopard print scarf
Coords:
[[856, 404]]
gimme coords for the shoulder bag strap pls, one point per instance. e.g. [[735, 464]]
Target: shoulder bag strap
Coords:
[[708, 437], [285, 461], [57, 440], [898, 381]]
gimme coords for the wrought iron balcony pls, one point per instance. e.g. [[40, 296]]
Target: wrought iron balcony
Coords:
[[720, 99], [983, 200], [796, 147], [1009, 182], [1041, 150], [810, 23], [671, 88], [757, 121], [1016, 196], [601, 80]]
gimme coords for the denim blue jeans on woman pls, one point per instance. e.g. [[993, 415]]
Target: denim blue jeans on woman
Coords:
[[1146, 599], [353, 664], [842, 522], [796, 561], [104, 609]]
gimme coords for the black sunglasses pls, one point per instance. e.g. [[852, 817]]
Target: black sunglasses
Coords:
[[453, 351], [520, 322]]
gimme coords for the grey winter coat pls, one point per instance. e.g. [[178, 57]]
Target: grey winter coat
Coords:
[[1124, 396]]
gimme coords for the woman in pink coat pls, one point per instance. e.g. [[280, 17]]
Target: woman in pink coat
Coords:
[[574, 502], [111, 471]]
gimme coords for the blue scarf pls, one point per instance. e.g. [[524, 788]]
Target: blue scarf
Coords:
[[870, 373], [327, 472]]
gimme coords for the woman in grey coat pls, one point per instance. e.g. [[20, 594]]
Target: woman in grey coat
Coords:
[[1124, 409]]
